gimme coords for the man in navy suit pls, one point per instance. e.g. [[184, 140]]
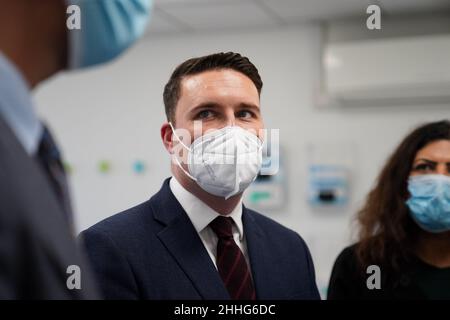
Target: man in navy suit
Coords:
[[194, 239]]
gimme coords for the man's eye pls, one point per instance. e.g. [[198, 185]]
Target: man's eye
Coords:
[[245, 114], [204, 114]]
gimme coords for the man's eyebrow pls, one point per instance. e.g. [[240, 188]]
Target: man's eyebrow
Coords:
[[205, 105], [251, 106], [215, 105]]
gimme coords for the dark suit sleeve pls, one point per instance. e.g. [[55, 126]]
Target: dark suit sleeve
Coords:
[[8, 260], [312, 275], [345, 281], [111, 268]]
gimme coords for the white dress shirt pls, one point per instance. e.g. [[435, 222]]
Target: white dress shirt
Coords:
[[201, 216], [16, 106]]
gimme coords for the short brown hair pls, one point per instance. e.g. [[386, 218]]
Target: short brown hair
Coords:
[[216, 61]]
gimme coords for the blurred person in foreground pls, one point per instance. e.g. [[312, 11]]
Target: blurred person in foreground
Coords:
[[404, 226], [38, 253], [194, 239]]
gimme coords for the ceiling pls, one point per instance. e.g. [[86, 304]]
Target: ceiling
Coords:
[[181, 16]]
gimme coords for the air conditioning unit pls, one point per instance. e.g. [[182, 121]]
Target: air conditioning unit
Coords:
[[414, 69]]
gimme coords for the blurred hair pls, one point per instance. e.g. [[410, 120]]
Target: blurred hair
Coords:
[[217, 61], [387, 233]]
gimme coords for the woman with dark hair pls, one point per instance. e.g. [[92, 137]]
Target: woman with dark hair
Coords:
[[403, 250]]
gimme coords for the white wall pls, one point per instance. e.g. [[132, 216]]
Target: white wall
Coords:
[[115, 112]]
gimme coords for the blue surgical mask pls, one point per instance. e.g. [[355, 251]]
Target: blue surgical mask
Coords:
[[429, 203], [108, 28]]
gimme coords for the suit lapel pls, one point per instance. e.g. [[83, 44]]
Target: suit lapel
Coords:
[[258, 256], [183, 242]]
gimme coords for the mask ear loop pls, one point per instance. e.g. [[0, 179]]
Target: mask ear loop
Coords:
[[176, 157]]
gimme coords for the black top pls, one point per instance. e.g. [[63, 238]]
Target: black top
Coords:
[[417, 280]]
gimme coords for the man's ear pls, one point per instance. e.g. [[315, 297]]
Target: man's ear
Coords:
[[166, 136]]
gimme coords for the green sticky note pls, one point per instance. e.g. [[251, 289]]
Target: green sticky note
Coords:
[[104, 166]]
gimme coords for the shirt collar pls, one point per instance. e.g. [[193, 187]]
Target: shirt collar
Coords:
[[199, 213], [16, 106]]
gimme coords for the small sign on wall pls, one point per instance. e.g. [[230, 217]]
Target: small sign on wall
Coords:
[[328, 185], [329, 173]]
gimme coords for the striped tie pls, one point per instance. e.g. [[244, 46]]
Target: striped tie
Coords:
[[231, 262]]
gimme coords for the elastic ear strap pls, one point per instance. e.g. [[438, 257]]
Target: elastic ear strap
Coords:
[[176, 135], [176, 156], [182, 169]]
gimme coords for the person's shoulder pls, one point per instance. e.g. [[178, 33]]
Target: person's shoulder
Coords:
[[347, 261], [347, 256], [347, 279], [348, 253], [124, 223]]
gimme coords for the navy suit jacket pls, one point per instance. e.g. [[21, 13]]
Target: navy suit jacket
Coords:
[[152, 251]]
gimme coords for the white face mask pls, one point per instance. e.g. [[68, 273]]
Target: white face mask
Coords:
[[223, 162]]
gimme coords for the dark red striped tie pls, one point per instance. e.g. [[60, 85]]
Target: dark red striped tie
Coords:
[[231, 262]]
